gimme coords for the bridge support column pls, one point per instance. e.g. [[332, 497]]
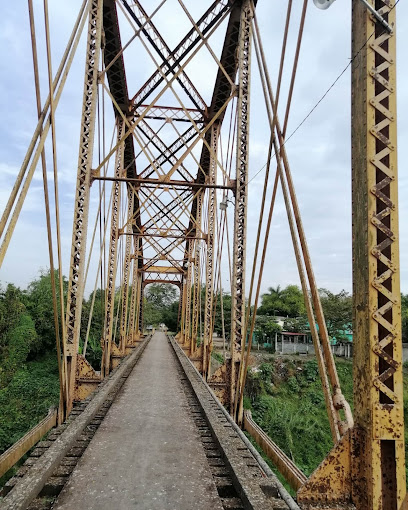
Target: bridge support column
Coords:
[[112, 259], [81, 209], [126, 274], [378, 455], [187, 327], [367, 466], [197, 281], [209, 271], [240, 219]]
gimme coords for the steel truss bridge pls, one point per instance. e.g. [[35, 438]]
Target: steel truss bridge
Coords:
[[173, 155]]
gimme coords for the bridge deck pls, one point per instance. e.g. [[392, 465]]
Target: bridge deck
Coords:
[[147, 453]]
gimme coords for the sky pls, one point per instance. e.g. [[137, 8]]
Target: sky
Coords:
[[319, 152]]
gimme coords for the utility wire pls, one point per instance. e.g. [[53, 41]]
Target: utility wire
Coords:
[[322, 98]]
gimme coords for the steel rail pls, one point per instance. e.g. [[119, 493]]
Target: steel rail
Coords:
[[293, 475]]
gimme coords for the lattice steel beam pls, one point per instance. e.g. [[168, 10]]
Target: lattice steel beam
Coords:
[[209, 271], [240, 216], [379, 458], [112, 259], [126, 274], [81, 209], [158, 43]]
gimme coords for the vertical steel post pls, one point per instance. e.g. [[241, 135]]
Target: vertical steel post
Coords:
[[132, 312], [112, 257], [197, 282], [187, 338], [81, 209], [240, 218], [140, 303], [209, 269], [378, 449], [126, 273]]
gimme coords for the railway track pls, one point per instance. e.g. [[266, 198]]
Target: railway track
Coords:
[[241, 479]]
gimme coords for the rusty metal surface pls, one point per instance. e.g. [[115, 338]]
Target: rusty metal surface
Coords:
[[330, 483], [378, 459]]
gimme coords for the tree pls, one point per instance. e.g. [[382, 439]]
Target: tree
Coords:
[[170, 316], [158, 304], [296, 324], [287, 302], [39, 303], [266, 327], [226, 304], [11, 307], [338, 313]]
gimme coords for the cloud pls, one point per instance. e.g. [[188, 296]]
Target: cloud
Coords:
[[319, 152]]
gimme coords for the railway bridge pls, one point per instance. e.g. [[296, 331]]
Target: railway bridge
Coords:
[[163, 171]]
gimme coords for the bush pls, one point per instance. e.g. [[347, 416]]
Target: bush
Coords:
[[293, 384], [254, 386], [27, 398], [316, 397], [311, 371], [19, 342], [266, 371]]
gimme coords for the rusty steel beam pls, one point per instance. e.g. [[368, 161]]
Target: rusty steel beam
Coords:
[[158, 43], [170, 113], [241, 197], [214, 14], [81, 210], [378, 452]]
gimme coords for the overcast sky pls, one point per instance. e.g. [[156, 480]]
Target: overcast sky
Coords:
[[319, 152]]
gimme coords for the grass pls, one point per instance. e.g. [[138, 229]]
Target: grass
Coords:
[[287, 401]]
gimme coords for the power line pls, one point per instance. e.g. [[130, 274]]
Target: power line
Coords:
[[322, 98]]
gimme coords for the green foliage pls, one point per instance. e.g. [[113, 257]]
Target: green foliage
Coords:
[[254, 386], [94, 349], [27, 398], [293, 385], [20, 339], [296, 324], [39, 304], [170, 315], [226, 304], [265, 327], [161, 305], [284, 302], [311, 371], [218, 356], [337, 310], [266, 371], [295, 416], [11, 306]]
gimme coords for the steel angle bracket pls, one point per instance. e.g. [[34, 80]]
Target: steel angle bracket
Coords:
[[330, 483], [86, 379]]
